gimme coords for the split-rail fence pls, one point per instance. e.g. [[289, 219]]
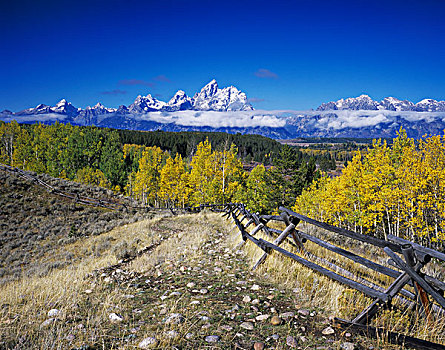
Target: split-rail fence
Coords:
[[425, 295]]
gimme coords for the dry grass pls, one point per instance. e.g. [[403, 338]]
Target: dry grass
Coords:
[[335, 298], [186, 249], [71, 290]]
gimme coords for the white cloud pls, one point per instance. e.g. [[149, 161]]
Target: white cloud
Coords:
[[263, 118], [48, 117], [214, 119]]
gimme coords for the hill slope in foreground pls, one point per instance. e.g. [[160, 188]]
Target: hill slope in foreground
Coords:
[[187, 287]]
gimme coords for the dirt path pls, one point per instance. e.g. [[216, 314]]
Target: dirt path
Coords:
[[207, 299]]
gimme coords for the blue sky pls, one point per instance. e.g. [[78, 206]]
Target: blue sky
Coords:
[[283, 54]]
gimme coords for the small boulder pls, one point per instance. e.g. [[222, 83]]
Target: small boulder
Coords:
[[115, 317], [258, 346], [328, 331], [291, 341], [212, 339], [174, 319], [148, 343], [53, 313], [275, 320], [247, 325]]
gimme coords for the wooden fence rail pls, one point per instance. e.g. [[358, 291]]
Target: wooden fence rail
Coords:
[[408, 270]]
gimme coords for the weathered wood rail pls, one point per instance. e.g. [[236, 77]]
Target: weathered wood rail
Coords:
[[411, 287]]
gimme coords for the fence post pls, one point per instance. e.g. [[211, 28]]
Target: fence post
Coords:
[[277, 242]]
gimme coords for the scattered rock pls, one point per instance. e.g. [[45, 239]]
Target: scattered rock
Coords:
[[275, 320], [53, 313], [148, 343], [304, 312], [287, 315], [48, 322], [255, 287], [255, 301], [262, 317], [303, 339], [328, 331], [348, 335], [258, 346], [275, 336], [247, 299], [226, 328], [247, 325], [174, 319], [88, 291], [115, 317], [212, 339], [189, 336], [203, 291], [171, 334], [347, 346], [291, 341], [190, 285]]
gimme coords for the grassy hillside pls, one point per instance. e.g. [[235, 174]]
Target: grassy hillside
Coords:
[[189, 288]]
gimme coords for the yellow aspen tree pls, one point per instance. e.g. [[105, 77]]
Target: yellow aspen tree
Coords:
[[146, 182], [172, 187], [202, 173]]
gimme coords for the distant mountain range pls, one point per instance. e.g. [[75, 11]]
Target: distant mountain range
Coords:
[[228, 110], [364, 102]]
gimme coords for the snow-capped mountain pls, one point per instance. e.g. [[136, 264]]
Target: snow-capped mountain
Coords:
[[430, 105], [212, 98], [366, 103], [358, 103], [144, 104], [227, 110], [179, 102], [62, 107], [394, 104]]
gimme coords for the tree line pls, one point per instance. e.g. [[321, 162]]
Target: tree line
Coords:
[[158, 176], [396, 189]]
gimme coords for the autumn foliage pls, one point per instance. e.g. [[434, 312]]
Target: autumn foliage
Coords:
[[397, 189]]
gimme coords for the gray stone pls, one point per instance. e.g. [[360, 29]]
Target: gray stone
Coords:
[[347, 346], [212, 339], [287, 315], [304, 312], [291, 341], [171, 334], [262, 317], [48, 322], [247, 325], [174, 319], [115, 317], [53, 313], [148, 343], [328, 331]]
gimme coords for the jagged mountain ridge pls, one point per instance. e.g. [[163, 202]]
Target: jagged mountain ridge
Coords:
[[227, 110], [366, 103], [210, 98]]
